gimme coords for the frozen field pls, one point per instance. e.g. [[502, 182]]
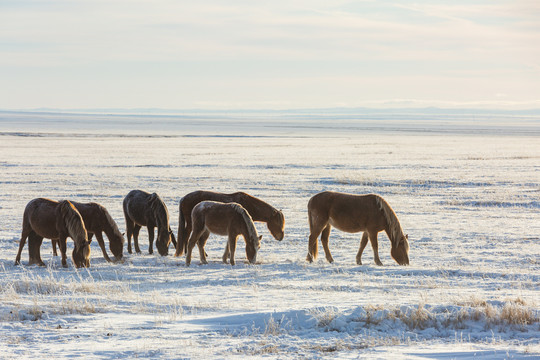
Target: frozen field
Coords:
[[466, 190]]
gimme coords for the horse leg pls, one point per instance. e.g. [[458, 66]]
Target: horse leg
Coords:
[[54, 252], [129, 230], [314, 232], [101, 242], [136, 229], [150, 239], [375, 246], [34, 246], [232, 246], [200, 244], [363, 244], [225, 256], [173, 239], [63, 249], [25, 233], [193, 239], [324, 240], [188, 232]]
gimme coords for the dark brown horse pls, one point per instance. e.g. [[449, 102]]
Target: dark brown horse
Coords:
[[230, 220], [44, 218], [257, 209], [98, 220], [144, 209], [355, 213]]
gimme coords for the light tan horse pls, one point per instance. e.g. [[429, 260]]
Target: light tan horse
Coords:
[[355, 213], [44, 218], [257, 209], [230, 220]]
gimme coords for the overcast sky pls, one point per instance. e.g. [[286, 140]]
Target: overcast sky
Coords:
[[280, 54]]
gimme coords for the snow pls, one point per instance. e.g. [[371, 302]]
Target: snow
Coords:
[[466, 193]]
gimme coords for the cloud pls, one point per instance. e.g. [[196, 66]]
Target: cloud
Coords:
[[281, 44]]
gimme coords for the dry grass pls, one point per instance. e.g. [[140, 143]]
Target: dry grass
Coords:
[[324, 316]]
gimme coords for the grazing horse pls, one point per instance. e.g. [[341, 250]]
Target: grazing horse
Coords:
[[257, 209], [144, 209], [230, 220], [355, 213], [98, 220], [44, 218]]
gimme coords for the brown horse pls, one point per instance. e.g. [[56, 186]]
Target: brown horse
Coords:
[[44, 218], [355, 213], [98, 220], [257, 209], [229, 219], [144, 209]]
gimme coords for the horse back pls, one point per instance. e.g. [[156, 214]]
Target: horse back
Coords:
[[92, 215], [190, 200], [217, 217], [137, 208], [40, 214], [348, 212]]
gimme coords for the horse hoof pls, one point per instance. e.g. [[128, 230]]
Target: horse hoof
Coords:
[[309, 258]]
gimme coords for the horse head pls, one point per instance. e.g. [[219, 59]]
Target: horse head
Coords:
[[116, 244], [163, 240], [252, 247], [276, 225], [400, 253], [81, 255]]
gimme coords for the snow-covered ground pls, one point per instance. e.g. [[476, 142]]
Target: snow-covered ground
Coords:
[[467, 192]]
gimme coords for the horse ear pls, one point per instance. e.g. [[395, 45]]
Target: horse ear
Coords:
[[260, 237], [407, 237], [123, 234]]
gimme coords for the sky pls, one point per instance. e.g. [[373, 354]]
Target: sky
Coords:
[[281, 54]]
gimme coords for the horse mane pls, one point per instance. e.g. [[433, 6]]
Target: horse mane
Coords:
[[394, 227], [112, 223], [73, 221], [158, 208], [252, 232], [259, 205]]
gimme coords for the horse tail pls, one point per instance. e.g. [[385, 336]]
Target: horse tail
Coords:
[[313, 244], [394, 231], [181, 241], [73, 223]]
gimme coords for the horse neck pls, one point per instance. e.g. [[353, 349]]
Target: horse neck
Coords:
[[393, 227], [258, 209], [160, 214], [247, 228], [108, 225], [73, 223]]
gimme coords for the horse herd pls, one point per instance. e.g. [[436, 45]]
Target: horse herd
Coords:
[[202, 213]]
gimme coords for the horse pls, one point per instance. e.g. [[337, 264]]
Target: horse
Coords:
[[144, 209], [354, 213], [44, 218], [98, 220], [228, 219], [257, 209]]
